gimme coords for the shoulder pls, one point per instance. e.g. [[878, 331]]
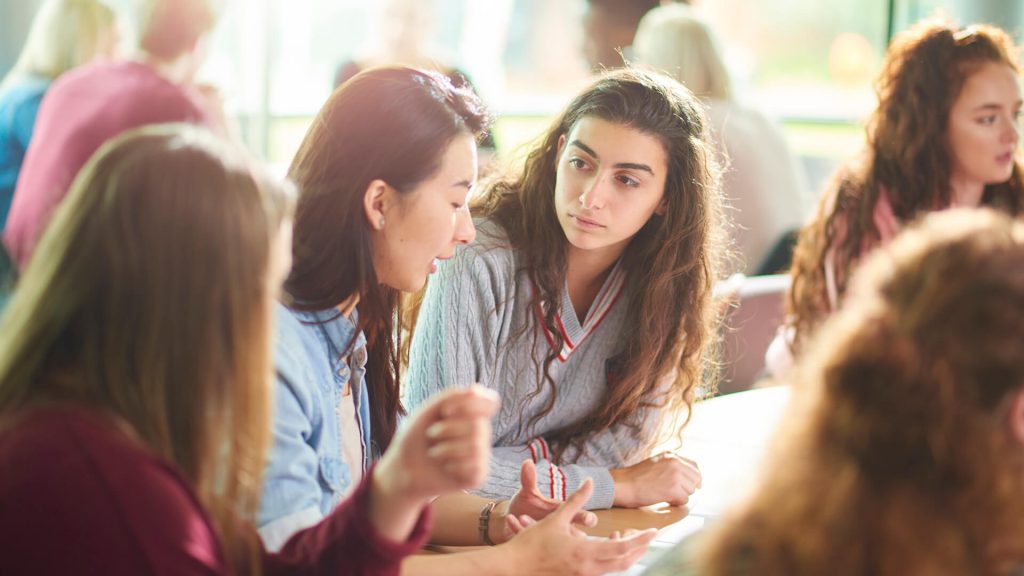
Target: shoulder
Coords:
[[75, 478]]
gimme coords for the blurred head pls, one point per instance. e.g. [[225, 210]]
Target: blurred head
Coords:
[[905, 450], [948, 104], [627, 166], [608, 27], [384, 175], [404, 26], [151, 299], [66, 34], [171, 29], [674, 40]]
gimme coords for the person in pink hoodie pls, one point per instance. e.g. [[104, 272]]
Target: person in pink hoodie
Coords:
[[945, 134], [91, 105]]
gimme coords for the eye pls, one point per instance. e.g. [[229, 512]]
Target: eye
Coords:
[[628, 180], [987, 120], [577, 163]]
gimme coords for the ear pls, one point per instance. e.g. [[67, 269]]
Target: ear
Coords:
[[1015, 416], [561, 146], [375, 201], [662, 207]]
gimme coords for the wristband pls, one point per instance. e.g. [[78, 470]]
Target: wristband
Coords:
[[485, 523]]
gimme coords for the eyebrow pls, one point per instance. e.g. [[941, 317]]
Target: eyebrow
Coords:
[[625, 165], [994, 106], [462, 184]]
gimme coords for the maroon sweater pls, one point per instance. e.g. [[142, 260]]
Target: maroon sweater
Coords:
[[77, 496]]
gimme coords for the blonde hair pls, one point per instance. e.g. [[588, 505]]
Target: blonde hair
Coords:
[[897, 457], [169, 28], [149, 299], [65, 34], [673, 40]]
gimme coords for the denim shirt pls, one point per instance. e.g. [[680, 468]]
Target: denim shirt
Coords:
[[306, 476]]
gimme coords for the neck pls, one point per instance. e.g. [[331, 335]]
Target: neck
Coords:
[[348, 305], [586, 272], [965, 194]]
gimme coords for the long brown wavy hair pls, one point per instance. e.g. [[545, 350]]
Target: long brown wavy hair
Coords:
[[898, 456], [907, 154], [671, 263], [149, 300], [390, 124]]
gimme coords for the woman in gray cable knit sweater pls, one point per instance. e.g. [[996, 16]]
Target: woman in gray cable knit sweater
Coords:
[[588, 270]]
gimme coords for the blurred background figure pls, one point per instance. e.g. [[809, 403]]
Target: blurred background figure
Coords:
[[945, 134], [402, 38], [95, 103], [65, 34], [609, 27], [763, 182]]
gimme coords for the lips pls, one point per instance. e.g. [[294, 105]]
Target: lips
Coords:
[[586, 222], [1005, 158]]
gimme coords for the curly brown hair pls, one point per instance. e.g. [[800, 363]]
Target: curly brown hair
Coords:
[[672, 261], [906, 154], [898, 457]]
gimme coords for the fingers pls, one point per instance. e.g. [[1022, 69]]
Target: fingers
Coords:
[[473, 402], [585, 518], [628, 546], [528, 476], [572, 506]]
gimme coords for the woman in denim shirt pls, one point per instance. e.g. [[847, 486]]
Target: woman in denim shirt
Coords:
[[384, 176]]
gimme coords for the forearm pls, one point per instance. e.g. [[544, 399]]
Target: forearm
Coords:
[[457, 520], [492, 561], [393, 510]]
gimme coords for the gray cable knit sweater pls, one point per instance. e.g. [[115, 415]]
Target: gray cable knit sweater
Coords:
[[476, 325]]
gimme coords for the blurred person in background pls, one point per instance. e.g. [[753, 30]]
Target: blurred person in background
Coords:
[[945, 134], [609, 27], [402, 37], [763, 184], [87, 107], [65, 34]]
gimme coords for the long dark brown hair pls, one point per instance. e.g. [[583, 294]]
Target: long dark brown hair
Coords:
[[898, 457], [672, 261], [149, 299], [907, 154], [390, 124]]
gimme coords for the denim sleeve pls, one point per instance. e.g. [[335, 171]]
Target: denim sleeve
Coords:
[[291, 492]]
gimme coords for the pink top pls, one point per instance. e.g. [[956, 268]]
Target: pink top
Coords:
[[78, 495], [82, 110]]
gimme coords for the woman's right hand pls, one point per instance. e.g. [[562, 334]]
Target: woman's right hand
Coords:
[[662, 478], [555, 545]]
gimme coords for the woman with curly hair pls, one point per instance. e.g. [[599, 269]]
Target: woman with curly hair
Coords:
[[945, 134], [585, 300], [904, 449]]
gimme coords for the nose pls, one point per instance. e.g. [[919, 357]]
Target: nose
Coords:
[[465, 231], [1012, 132], [593, 197]]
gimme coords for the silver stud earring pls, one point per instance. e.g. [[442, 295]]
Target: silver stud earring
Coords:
[[380, 223]]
